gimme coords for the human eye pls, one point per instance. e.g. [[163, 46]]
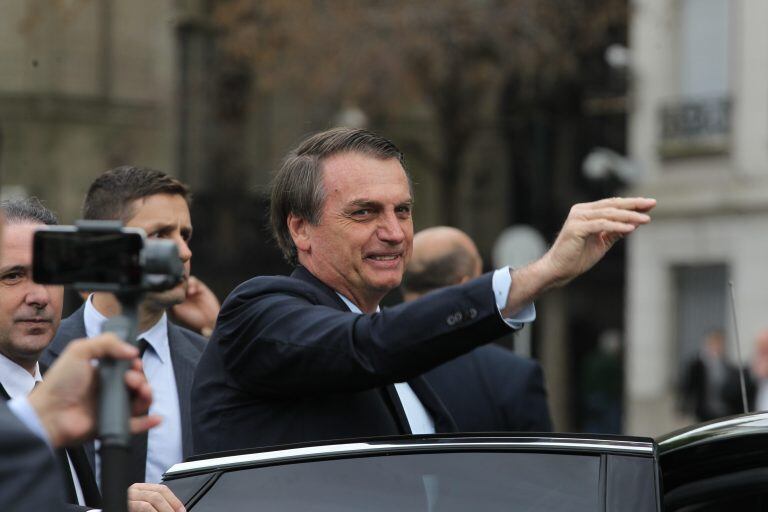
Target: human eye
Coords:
[[362, 212], [158, 233], [404, 210], [12, 277]]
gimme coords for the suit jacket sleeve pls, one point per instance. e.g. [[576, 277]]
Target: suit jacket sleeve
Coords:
[[30, 480], [276, 338]]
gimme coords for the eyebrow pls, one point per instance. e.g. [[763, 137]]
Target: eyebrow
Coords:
[[164, 226], [364, 203], [369, 203], [14, 268]]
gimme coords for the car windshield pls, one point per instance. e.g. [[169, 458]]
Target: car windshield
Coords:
[[415, 482]]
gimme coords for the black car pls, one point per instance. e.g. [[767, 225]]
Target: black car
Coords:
[[719, 465], [556, 472], [716, 466]]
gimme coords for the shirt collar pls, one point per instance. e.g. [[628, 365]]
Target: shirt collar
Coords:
[[156, 336], [352, 306], [16, 380]]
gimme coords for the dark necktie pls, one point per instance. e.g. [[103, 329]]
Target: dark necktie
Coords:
[[139, 441]]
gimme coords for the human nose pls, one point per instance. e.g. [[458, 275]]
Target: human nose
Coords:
[[391, 229], [185, 253], [38, 296]]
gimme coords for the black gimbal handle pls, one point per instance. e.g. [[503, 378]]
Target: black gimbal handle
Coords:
[[114, 415]]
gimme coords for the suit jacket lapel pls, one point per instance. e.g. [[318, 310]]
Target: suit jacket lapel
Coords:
[[392, 399], [183, 358], [85, 475], [71, 328], [444, 422], [328, 297]]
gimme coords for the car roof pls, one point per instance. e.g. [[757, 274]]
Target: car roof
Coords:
[[416, 444], [720, 429]]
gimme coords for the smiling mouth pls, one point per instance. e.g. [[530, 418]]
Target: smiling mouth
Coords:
[[390, 257]]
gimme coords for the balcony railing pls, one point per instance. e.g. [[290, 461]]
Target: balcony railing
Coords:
[[695, 127]]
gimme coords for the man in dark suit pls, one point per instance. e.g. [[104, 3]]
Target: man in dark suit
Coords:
[[490, 388], [158, 204], [26, 463], [61, 412], [29, 316], [310, 357], [708, 380]]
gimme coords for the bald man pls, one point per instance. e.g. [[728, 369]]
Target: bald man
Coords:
[[489, 389]]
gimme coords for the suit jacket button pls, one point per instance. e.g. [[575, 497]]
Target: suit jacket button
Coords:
[[454, 318]]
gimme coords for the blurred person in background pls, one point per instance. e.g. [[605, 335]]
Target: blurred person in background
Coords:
[[707, 381], [601, 385], [489, 389], [756, 375]]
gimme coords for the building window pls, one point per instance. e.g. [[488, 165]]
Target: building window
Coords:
[[698, 120]]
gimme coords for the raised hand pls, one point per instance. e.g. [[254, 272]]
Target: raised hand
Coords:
[[588, 233], [200, 308]]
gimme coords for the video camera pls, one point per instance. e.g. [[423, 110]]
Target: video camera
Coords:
[[105, 256]]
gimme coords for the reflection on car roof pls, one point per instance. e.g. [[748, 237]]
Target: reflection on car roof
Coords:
[[625, 445], [721, 428]]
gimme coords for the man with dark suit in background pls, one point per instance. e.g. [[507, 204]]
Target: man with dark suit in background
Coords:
[[29, 316], [311, 357], [490, 388], [159, 204]]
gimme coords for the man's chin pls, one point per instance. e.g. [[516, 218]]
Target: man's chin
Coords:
[[169, 298], [385, 284]]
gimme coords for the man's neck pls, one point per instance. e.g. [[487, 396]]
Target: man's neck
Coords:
[[108, 305], [366, 302], [29, 364]]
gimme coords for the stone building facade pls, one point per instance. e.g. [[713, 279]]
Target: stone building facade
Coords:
[[698, 130]]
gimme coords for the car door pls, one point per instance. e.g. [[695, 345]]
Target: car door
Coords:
[[484, 475]]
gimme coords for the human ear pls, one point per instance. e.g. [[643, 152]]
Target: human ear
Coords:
[[299, 229]]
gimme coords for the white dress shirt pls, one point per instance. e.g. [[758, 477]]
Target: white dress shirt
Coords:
[[164, 447], [418, 418], [18, 383]]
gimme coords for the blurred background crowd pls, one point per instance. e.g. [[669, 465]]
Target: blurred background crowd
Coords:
[[509, 111]]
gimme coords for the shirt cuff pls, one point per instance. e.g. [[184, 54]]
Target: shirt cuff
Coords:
[[502, 281], [21, 407]]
